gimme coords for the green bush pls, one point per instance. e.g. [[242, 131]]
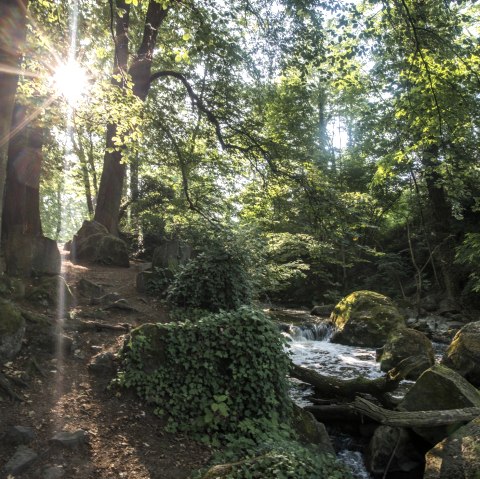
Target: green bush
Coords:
[[215, 280], [223, 374]]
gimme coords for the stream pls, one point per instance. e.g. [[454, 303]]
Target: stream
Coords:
[[309, 345]]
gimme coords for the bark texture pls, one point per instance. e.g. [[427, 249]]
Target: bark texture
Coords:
[[113, 174], [12, 40]]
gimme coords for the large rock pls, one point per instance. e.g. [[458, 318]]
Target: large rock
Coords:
[[94, 244], [457, 456], [171, 254], [12, 330], [28, 254], [436, 389], [365, 318], [392, 448], [404, 343], [463, 354]]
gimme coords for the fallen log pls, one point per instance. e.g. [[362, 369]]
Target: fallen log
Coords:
[[413, 418], [329, 386]]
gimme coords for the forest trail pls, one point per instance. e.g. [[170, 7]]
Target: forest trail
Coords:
[[125, 439]]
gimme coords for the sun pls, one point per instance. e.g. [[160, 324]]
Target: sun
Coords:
[[71, 81]]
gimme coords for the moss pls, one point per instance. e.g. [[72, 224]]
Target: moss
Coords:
[[365, 318], [10, 319]]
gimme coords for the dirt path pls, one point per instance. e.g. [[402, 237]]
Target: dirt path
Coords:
[[125, 440]]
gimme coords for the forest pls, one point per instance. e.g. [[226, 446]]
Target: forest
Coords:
[[191, 188]]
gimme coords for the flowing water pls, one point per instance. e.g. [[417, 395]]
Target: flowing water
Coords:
[[309, 345]]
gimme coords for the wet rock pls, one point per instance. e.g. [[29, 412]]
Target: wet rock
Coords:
[[405, 343], [23, 458], [19, 435], [457, 456], [439, 388], [53, 472], [392, 448], [463, 354], [94, 244], [89, 289], [365, 318], [310, 431], [70, 440], [12, 330]]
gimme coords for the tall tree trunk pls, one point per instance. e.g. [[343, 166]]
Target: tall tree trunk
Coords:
[[22, 190], [113, 174], [442, 221], [80, 152], [13, 14]]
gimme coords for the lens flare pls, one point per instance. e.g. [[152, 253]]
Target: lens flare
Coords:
[[71, 81]]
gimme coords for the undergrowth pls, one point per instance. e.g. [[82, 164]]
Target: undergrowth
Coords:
[[222, 374]]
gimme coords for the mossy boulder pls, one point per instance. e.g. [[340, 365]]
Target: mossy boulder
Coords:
[[12, 330], [404, 343], [365, 318], [51, 291], [436, 389], [457, 456], [94, 244], [463, 353]]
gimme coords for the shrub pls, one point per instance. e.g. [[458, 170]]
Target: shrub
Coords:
[[225, 373], [215, 280]]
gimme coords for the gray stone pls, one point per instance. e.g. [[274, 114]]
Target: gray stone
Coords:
[[310, 431], [27, 254], [439, 388], [23, 458], [12, 330], [392, 447], [142, 280], [103, 364], [53, 472], [457, 456], [171, 254], [70, 440], [94, 244], [463, 353], [89, 289], [19, 435]]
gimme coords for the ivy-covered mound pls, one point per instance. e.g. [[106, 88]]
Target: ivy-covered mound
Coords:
[[225, 373], [215, 280]]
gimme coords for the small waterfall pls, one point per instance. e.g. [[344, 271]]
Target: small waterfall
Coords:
[[309, 332]]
